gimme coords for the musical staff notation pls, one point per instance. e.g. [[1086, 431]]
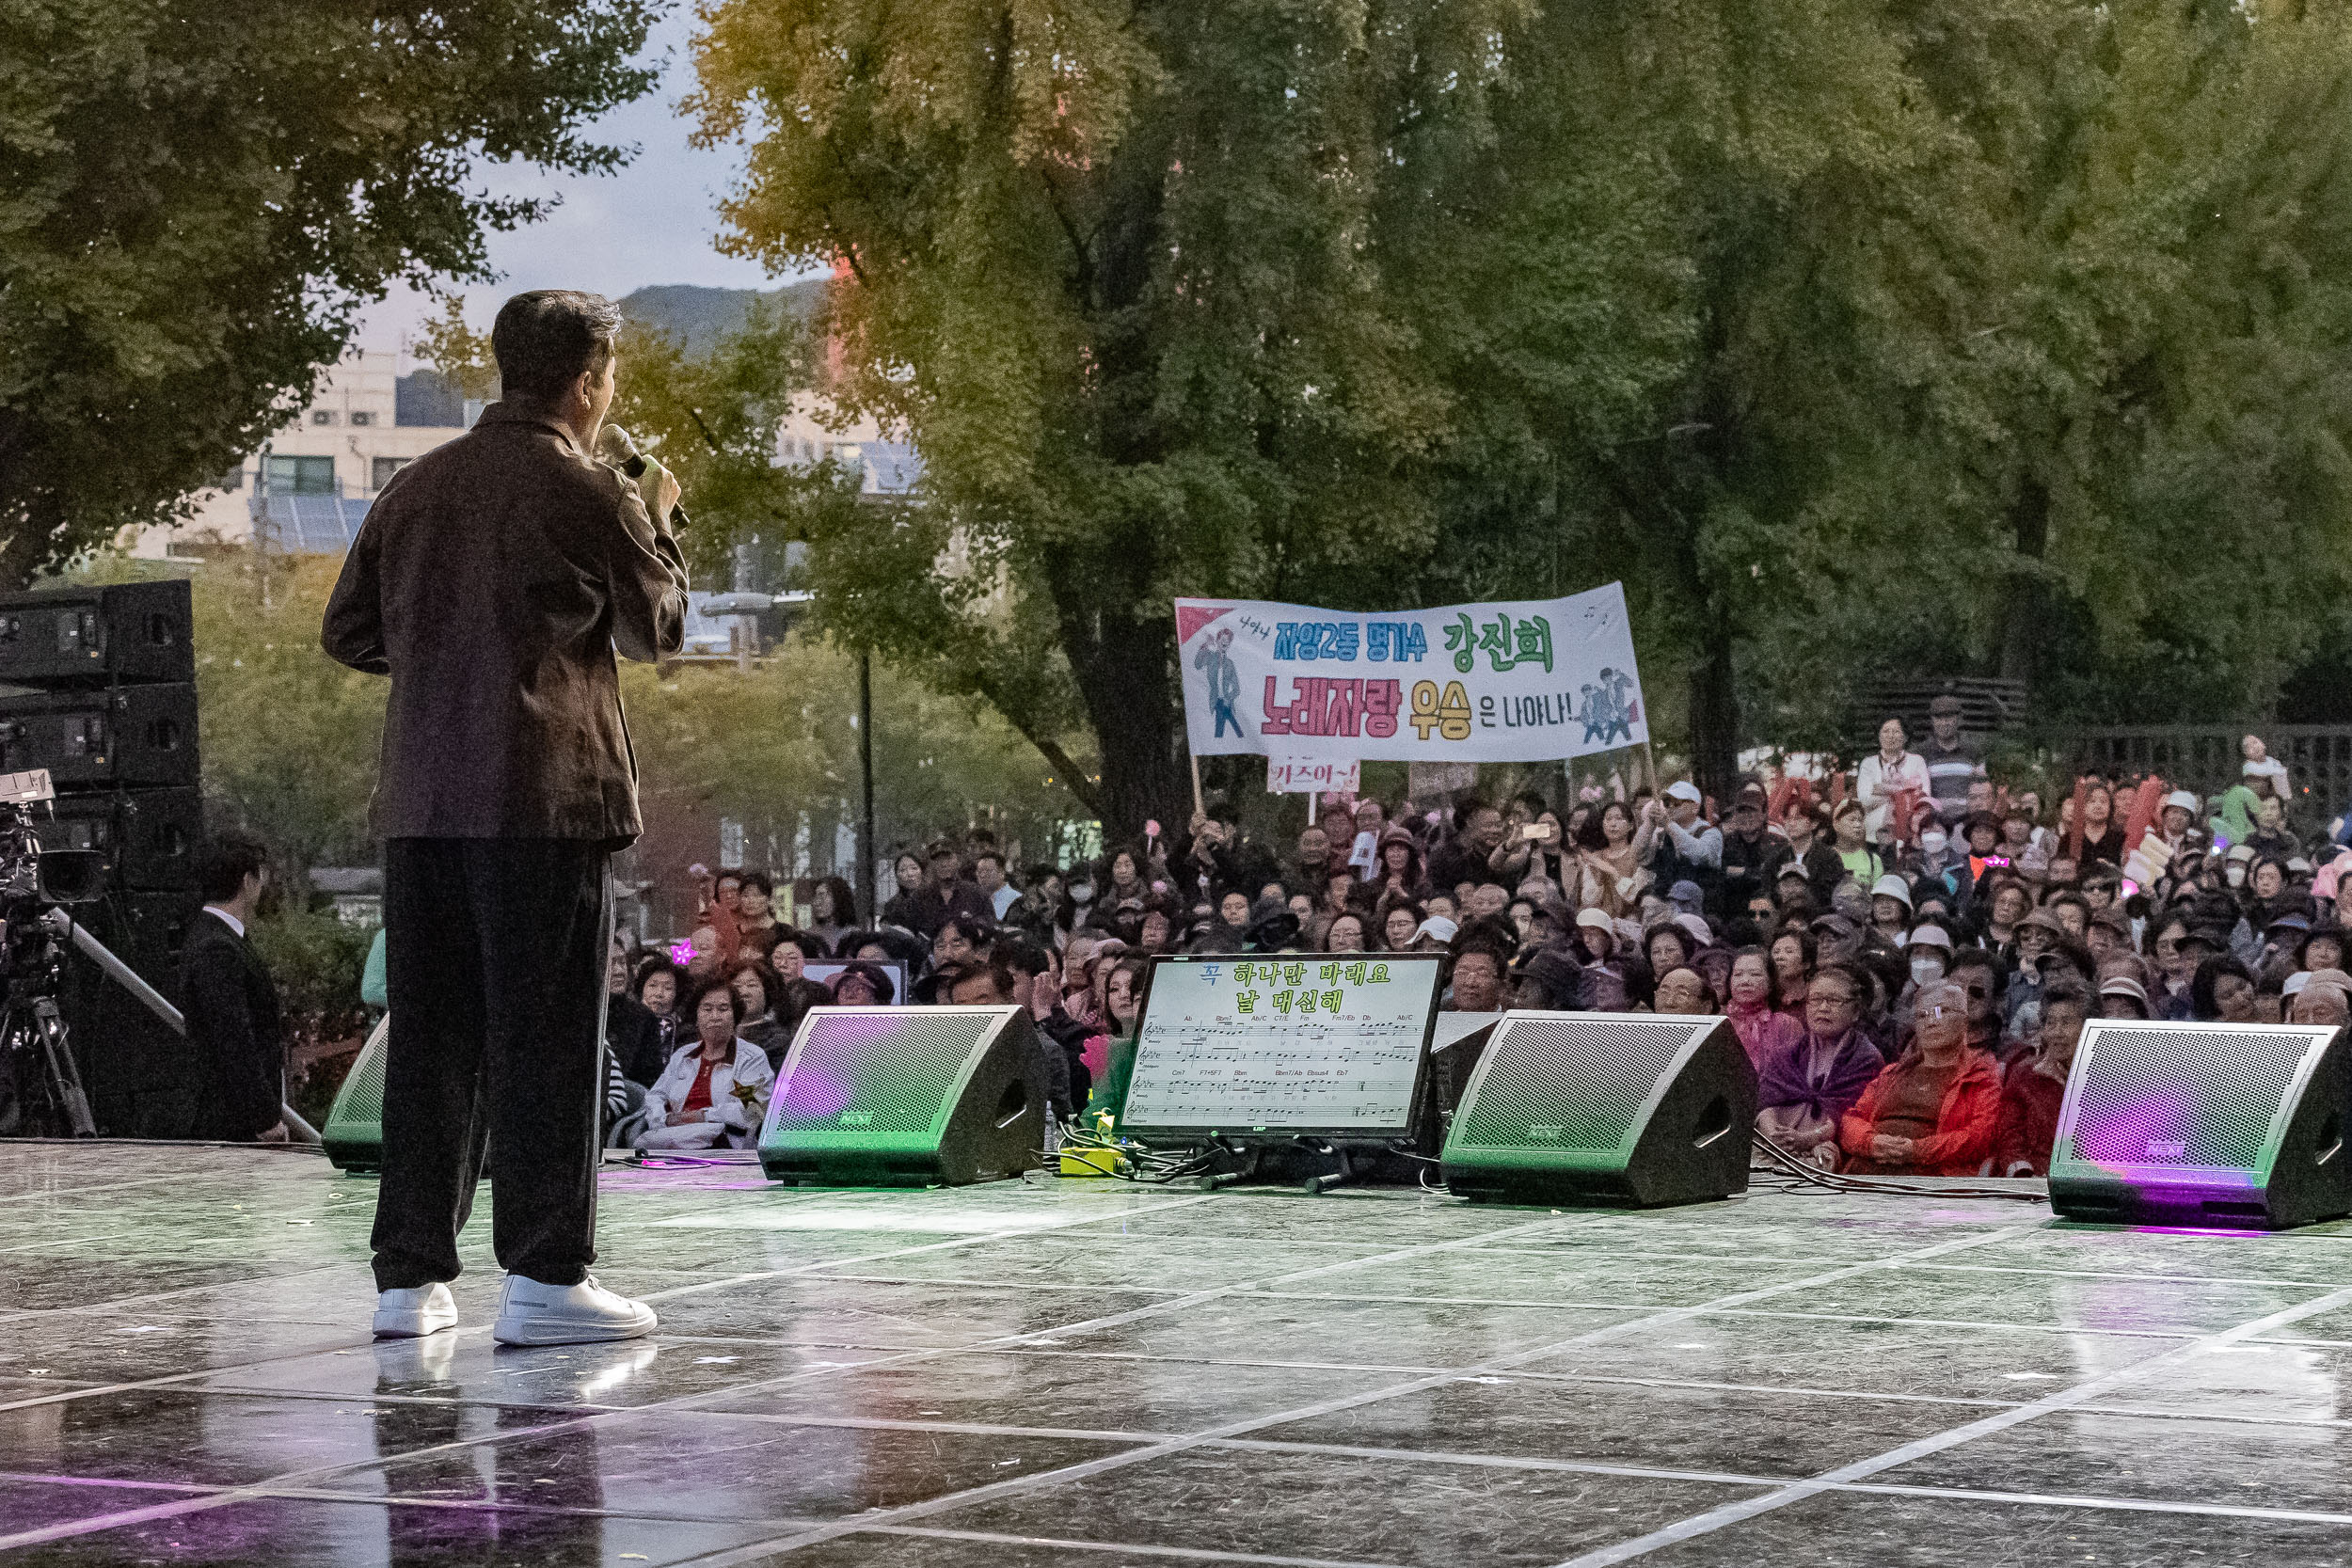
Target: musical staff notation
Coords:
[[1211, 1055]]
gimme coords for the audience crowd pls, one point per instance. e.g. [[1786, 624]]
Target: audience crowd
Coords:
[[1907, 952]]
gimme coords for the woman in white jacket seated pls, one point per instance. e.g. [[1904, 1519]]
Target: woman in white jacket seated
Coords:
[[716, 1087]]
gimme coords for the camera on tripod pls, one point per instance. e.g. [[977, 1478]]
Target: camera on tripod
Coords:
[[28, 872], [40, 1088]]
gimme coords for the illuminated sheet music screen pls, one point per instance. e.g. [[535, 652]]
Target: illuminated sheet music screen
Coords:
[[1325, 1042]]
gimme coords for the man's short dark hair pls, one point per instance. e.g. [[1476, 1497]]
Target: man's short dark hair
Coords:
[[969, 926], [547, 338], [996, 974], [1021, 955], [1491, 936], [996, 855], [231, 855], [2068, 993], [759, 879]]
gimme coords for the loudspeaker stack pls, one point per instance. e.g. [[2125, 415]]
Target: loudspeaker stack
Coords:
[[98, 685]]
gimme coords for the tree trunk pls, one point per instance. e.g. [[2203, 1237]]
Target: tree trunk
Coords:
[[1132, 704], [19, 550], [2026, 609], [1715, 710]]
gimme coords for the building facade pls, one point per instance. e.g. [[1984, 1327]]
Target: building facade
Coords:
[[309, 485]]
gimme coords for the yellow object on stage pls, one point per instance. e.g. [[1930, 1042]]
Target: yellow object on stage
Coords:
[[1091, 1161]]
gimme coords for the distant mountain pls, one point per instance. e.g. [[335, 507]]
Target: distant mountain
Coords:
[[699, 317]]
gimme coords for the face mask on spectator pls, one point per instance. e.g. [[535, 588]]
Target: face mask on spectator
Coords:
[[2235, 876], [1924, 970], [1082, 893]]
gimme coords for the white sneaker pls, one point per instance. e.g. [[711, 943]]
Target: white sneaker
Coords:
[[532, 1313], [412, 1314]]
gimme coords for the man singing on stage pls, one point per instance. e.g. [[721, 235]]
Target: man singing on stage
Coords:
[[494, 580]]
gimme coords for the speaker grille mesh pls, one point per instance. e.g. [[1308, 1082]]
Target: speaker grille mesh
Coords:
[[877, 1072], [1573, 1083], [2173, 1096], [359, 1103]]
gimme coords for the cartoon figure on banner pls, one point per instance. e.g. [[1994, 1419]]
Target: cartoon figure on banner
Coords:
[[1607, 711], [1622, 712], [1595, 715], [1215, 661]]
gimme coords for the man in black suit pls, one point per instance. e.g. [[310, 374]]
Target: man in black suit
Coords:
[[494, 580], [230, 1003]]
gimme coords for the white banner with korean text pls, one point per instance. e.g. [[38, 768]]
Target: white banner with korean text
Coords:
[[1533, 680]]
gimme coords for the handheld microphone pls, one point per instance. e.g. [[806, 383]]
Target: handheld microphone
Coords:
[[620, 450]]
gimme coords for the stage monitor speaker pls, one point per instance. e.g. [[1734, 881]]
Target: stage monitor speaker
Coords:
[[125, 734], [1604, 1108], [149, 837], [2235, 1125], [354, 1133], [907, 1096], [141, 631], [1456, 1045]]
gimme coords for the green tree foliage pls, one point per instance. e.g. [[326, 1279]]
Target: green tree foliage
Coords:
[[712, 419], [195, 201], [2137, 497], [1118, 270], [778, 749], [1998, 335]]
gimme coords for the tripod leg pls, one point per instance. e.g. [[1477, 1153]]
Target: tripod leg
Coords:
[[65, 1078]]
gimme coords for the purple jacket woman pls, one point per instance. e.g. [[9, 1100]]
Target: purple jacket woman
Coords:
[[1804, 1086]]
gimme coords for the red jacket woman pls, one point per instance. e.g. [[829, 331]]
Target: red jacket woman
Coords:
[[1932, 1111]]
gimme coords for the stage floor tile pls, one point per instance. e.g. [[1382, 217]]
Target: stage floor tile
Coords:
[[2271, 1466], [701, 1466], [1062, 1392], [1347, 1508], [1852, 1529], [467, 1368], [883, 1314], [303, 1532], [2002, 1364], [108, 1347], [1084, 1373], [1775, 1434]]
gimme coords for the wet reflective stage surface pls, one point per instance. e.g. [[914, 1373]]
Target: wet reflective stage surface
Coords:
[[1083, 1372]]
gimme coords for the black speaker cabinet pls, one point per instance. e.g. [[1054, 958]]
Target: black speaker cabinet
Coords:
[[1604, 1108], [137, 632], [140, 1075], [907, 1096], [148, 837], [124, 735], [2234, 1125]]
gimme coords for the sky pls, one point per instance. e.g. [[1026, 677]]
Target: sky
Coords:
[[651, 223]]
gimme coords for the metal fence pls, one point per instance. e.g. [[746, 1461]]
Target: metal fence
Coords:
[[2206, 757]]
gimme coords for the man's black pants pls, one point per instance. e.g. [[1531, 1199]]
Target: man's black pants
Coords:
[[495, 952]]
